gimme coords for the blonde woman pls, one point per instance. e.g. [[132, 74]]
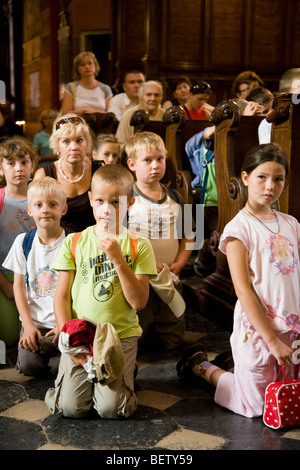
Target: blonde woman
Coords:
[[71, 140]]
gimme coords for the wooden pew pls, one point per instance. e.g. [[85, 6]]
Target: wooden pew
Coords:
[[179, 131], [102, 123], [235, 135], [285, 121], [141, 122]]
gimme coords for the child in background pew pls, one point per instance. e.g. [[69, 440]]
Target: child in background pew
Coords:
[[107, 149], [196, 105], [263, 98], [200, 152], [35, 280], [41, 139], [262, 248], [18, 160]]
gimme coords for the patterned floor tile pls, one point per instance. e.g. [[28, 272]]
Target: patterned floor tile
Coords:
[[142, 365], [50, 446], [11, 394], [292, 434], [143, 430], [192, 337], [160, 401], [173, 413], [29, 410], [11, 375], [184, 439], [20, 435]]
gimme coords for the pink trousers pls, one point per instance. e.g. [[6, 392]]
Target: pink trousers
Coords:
[[255, 368]]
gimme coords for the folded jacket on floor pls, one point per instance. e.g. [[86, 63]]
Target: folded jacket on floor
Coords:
[[101, 340]]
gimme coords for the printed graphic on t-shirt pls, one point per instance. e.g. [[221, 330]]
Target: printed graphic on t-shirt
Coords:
[[290, 319], [103, 291], [104, 276], [21, 217], [44, 283], [282, 254]]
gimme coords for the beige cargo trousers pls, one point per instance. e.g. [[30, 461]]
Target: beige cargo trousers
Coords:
[[74, 396]]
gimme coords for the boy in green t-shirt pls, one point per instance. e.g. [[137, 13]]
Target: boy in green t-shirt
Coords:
[[107, 282]]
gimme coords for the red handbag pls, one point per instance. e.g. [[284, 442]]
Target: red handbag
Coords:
[[282, 403]]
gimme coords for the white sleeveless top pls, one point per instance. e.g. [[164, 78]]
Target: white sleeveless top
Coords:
[[96, 98]]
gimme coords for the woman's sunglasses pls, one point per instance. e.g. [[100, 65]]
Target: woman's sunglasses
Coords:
[[72, 120]]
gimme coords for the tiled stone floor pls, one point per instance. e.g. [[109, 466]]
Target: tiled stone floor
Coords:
[[173, 414]]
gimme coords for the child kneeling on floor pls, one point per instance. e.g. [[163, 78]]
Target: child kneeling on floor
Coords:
[[160, 214], [106, 279], [262, 248], [30, 258]]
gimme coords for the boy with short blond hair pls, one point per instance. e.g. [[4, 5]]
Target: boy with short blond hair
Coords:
[[158, 214], [30, 258], [107, 282]]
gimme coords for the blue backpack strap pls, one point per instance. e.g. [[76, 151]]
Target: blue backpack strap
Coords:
[[208, 158], [27, 242], [28, 239], [173, 193], [203, 189]]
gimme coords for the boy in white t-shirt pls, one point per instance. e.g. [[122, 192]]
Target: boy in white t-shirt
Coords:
[[30, 258], [160, 215]]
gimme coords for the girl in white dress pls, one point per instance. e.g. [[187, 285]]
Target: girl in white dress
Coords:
[[262, 248]]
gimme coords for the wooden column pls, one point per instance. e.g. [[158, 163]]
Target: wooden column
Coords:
[[285, 121], [63, 35]]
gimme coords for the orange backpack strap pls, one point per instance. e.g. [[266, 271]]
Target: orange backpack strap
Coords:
[[76, 237], [2, 194], [134, 246], [133, 243]]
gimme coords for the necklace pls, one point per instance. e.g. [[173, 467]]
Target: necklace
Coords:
[[68, 179], [278, 227]]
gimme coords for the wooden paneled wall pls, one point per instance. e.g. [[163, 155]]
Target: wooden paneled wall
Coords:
[[212, 40], [208, 39], [40, 56]]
